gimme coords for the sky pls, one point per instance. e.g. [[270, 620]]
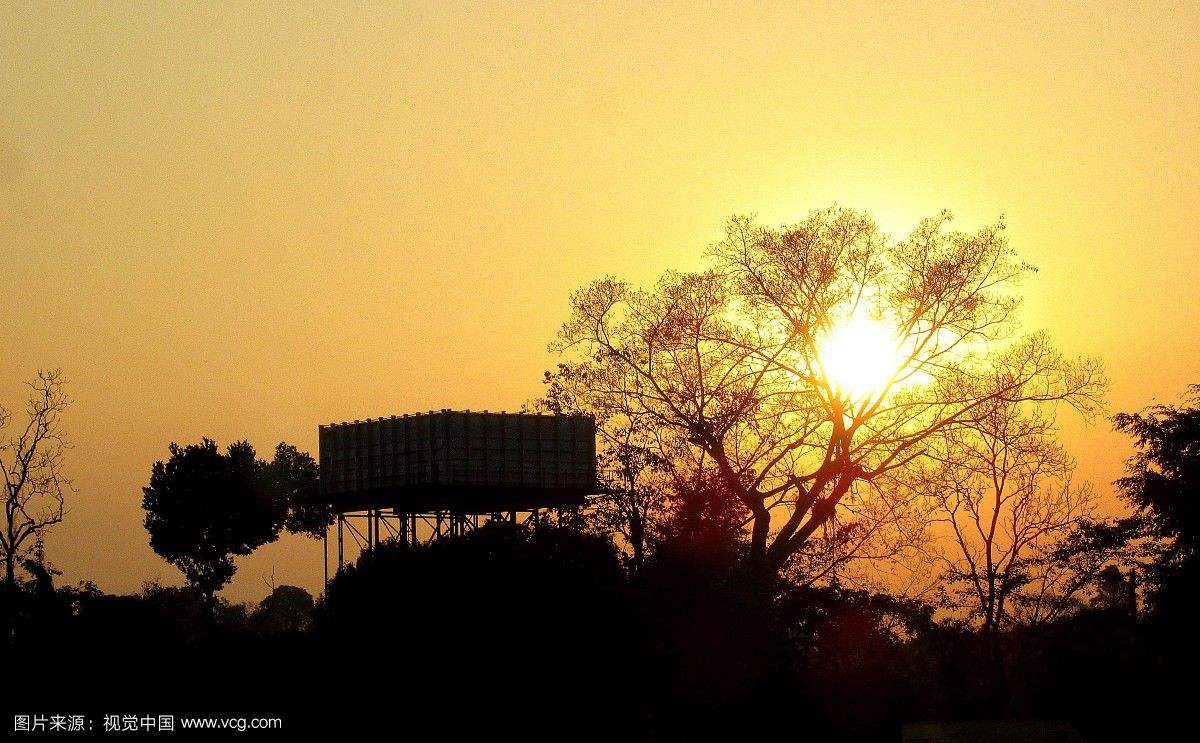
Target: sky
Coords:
[[244, 220]]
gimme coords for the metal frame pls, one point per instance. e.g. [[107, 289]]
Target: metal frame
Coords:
[[370, 528]]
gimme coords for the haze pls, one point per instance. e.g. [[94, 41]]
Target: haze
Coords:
[[240, 222]]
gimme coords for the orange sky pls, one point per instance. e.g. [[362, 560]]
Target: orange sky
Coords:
[[240, 222]]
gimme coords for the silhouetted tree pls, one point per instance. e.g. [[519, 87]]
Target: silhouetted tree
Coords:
[[1163, 484], [728, 362], [1115, 589], [36, 611], [1001, 486], [498, 615], [704, 517], [183, 608], [293, 480], [630, 467], [31, 465], [287, 609], [864, 670], [204, 506]]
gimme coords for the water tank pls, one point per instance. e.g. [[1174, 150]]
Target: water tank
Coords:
[[462, 461]]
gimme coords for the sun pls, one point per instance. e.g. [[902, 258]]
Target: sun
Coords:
[[859, 356]]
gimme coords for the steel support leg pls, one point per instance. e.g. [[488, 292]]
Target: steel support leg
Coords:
[[341, 521]]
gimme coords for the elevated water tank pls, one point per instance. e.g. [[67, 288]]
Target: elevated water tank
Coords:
[[466, 462]]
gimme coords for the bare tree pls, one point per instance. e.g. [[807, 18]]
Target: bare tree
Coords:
[[1002, 489], [31, 465], [633, 472], [728, 361]]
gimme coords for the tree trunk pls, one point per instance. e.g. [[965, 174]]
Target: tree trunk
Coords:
[[8, 602], [10, 574], [209, 596], [637, 538]]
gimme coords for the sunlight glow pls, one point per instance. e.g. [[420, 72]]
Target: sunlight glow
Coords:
[[859, 356]]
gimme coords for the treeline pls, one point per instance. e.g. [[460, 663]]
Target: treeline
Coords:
[[541, 630], [549, 630], [690, 639], [833, 501]]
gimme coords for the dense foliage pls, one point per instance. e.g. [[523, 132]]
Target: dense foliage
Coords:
[[204, 506]]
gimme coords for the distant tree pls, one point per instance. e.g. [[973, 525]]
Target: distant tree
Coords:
[[859, 651], [1001, 488], [185, 606], [1162, 483], [728, 362], [1115, 589], [31, 465], [544, 591], [287, 609]]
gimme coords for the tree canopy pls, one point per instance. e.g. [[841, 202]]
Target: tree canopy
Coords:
[[1162, 483], [204, 506], [730, 365]]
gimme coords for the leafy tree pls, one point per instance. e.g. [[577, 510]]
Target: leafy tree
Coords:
[[703, 517], [293, 480], [518, 593], [204, 506], [1115, 590], [727, 363], [1163, 484], [287, 609]]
